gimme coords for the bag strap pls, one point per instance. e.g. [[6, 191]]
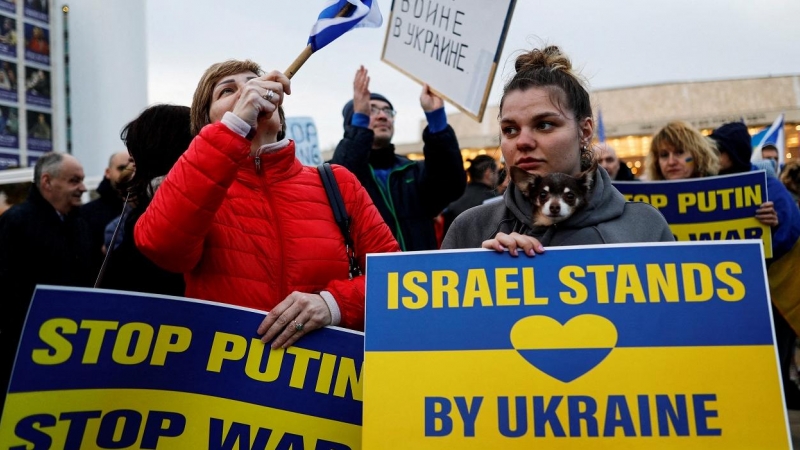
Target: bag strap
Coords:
[[340, 215]]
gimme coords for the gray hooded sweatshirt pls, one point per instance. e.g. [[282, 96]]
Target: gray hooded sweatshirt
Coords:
[[606, 219]]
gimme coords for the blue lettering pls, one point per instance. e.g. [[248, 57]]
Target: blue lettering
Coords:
[[438, 409], [645, 425], [521, 413], [28, 428], [290, 441], [237, 432], [155, 428], [576, 414], [131, 422], [666, 414], [468, 413], [322, 444], [618, 414], [701, 414], [542, 415]]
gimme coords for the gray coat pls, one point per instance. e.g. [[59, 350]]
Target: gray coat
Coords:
[[606, 219]]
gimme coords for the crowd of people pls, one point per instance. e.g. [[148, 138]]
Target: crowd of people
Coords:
[[211, 202]]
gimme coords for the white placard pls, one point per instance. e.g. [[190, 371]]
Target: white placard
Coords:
[[304, 133], [453, 45]]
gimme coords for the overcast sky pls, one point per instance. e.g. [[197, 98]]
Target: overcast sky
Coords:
[[616, 43]]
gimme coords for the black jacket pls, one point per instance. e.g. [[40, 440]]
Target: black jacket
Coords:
[[417, 190], [36, 247], [98, 213], [475, 194]]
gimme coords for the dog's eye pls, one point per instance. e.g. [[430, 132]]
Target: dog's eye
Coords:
[[570, 196], [543, 195]]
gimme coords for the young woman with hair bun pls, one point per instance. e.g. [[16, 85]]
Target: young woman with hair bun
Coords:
[[546, 127]]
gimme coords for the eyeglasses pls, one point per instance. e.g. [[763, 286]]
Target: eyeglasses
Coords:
[[374, 111]]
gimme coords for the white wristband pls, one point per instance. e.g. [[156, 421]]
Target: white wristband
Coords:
[[236, 124], [336, 315]]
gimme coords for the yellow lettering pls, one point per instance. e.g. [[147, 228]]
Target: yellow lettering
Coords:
[[662, 282], [477, 286], [565, 275], [220, 350], [392, 288], [503, 285], [628, 283], [301, 358], [725, 196], [141, 347], [94, 343], [325, 377], [529, 288], [753, 195], [49, 334], [601, 281], [691, 293], [164, 344], [255, 354], [347, 377], [420, 299], [658, 200], [444, 282], [724, 271], [707, 201], [685, 200]]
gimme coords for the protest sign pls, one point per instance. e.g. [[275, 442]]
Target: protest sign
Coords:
[[665, 345], [103, 369], [306, 141], [708, 209], [454, 46]]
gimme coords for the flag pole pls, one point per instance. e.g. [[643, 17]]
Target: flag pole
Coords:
[[306, 53]]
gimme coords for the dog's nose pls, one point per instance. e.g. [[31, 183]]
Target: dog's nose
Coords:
[[555, 208]]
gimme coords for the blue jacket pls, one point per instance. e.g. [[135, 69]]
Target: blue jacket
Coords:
[[786, 234]]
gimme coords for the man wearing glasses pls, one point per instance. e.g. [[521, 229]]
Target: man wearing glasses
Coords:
[[409, 194], [98, 213]]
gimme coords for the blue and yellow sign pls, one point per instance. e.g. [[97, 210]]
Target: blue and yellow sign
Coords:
[[102, 369], [708, 209], [648, 346]]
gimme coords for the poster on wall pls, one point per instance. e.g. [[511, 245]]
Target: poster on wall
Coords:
[[37, 44], [37, 87], [9, 127], [37, 9], [9, 160], [40, 134], [304, 133], [8, 36], [8, 81], [8, 5]]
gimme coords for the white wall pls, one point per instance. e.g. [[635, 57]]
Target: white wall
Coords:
[[108, 75]]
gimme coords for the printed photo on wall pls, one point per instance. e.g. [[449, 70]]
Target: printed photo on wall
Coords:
[[37, 87], [37, 9], [40, 134], [9, 127], [37, 44], [9, 160], [9, 6], [8, 81], [8, 36]]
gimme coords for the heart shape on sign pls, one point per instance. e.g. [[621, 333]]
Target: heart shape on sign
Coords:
[[565, 352]]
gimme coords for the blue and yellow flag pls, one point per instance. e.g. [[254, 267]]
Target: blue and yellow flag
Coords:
[[646, 346]]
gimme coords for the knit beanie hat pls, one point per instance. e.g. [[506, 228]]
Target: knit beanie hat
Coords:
[[347, 111], [733, 139]]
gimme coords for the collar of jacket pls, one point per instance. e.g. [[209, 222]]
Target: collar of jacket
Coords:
[[382, 158], [275, 166], [36, 198], [108, 193]]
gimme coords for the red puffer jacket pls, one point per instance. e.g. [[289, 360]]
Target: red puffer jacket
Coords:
[[251, 238]]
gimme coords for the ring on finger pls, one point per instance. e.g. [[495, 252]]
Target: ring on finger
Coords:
[[298, 326], [268, 96]]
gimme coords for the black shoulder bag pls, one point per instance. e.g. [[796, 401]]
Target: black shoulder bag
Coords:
[[340, 215]]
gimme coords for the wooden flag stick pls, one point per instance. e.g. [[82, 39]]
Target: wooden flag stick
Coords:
[[306, 53], [299, 61]]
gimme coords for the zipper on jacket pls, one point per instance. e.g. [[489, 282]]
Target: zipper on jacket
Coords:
[[258, 165], [386, 193]]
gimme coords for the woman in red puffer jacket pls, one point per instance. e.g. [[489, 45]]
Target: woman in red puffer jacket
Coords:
[[249, 225]]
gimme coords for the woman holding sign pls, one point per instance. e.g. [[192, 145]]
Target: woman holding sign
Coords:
[[546, 127], [248, 224]]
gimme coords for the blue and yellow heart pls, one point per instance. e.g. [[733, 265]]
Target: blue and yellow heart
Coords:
[[568, 351]]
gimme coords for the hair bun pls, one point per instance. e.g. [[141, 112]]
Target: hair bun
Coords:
[[548, 58]]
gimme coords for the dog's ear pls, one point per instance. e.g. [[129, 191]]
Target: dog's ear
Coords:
[[524, 181], [586, 177]]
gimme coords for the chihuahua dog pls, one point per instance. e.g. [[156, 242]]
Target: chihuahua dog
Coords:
[[554, 197]]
